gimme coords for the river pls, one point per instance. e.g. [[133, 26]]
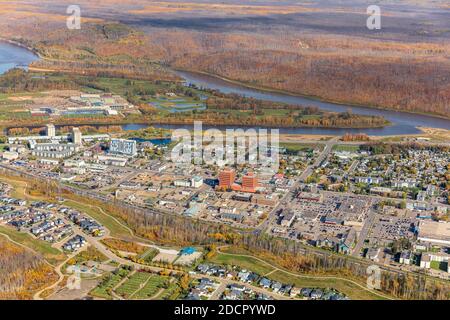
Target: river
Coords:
[[402, 122], [12, 56]]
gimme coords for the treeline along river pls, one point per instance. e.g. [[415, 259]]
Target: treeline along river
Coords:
[[12, 56]]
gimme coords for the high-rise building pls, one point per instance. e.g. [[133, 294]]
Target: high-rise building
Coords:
[[249, 182], [76, 136], [50, 130], [124, 147], [226, 178]]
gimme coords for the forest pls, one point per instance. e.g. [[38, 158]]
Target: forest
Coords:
[[22, 272], [249, 111], [321, 49]]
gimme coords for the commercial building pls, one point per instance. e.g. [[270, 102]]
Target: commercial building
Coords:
[[226, 178], [54, 150], [428, 257], [112, 161], [76, 136], [10, 155], [50, 136], [434, 232], [249, 183], [246, 197], [182, 183], [123, 147], [194, 182]]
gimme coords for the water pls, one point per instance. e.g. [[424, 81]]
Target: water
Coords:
[[402, 122], [156, 141], [12, 56]]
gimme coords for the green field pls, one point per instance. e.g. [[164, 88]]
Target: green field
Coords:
[[171, 293], [115, 228], [135, 282], [348, 288], [154, 284], [103, 290], [149, 255], [346, 147], [248, 263], [296, 147]]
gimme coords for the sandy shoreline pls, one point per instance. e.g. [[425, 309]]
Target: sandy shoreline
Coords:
[[429, 133]]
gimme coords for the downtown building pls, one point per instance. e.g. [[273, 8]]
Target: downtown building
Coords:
[[123, 147]]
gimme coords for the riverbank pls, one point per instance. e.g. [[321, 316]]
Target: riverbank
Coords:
[[19, 44], [401, 123], [295, 94]]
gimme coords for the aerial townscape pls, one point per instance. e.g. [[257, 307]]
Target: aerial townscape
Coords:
[[98, 201]]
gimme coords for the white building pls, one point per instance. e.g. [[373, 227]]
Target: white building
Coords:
[[196, 182], [122, 146], [434, 232], [54, 150], [76, 136], [10, 155], [182, 183], [50, 130]]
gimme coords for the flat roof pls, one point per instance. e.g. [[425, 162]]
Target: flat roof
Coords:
[[434, 230]]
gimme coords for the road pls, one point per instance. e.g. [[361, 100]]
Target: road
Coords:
[[371, 215], [323, 155], [284, 201]]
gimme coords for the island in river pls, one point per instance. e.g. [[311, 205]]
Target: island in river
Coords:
[[235, 105]]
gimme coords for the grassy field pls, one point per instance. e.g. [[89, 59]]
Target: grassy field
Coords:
[[116, 229], [149, 255], [248, 263], [52, 255], [350, 289], [154, 284], [169, 293], [346, 147], [135, 283], [296, 147], [103, 290], [20, 190]]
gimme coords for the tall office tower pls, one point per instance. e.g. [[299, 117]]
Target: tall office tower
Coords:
[[76, 136], [249, 182], [226, 178], [50, 130]]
